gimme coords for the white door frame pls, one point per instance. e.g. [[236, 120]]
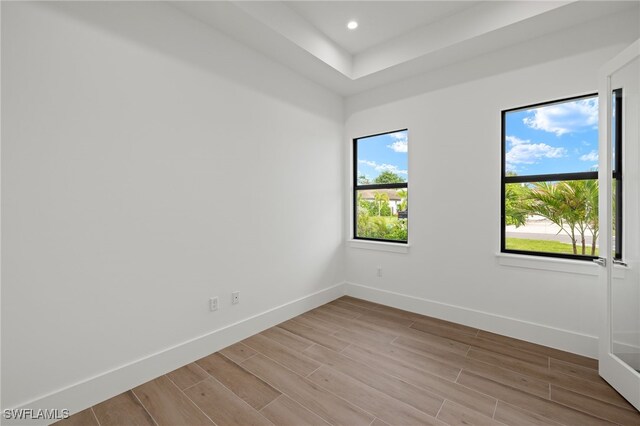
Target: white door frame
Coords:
[[620, 375]]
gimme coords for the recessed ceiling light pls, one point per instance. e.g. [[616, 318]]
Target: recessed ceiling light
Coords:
[[352, 25]]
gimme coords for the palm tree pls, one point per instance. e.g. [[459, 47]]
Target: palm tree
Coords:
[[380, 198], [516, 204], [547, 200], [572, 205], [404, 195], [593, 212]]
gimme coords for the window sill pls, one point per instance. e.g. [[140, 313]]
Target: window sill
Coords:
[[378, 245], [548, 263], [552, 264]]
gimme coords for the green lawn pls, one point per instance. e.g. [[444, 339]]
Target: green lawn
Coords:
[[543, 246]]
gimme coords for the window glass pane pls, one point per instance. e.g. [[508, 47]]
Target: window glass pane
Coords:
[[382, 158], [382, 214], [616, 219], [555, 138], [552, 217], [616, 156]]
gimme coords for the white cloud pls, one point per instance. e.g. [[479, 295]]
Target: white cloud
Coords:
[[384, 167], [566, 117], [400, 145], [515, 140], [592, 156], [525, 152]]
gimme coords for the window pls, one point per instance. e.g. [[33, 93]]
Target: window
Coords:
[[380, 191], [550, 179]]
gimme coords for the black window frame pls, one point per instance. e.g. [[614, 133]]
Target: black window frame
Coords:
[[357, 187], [617, 172], [553, 177]]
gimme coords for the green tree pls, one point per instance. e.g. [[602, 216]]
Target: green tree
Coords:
[[363, 180], [389, 177], [381, 200], [572, 205], [516, 209], [404, 199], [547, 200]]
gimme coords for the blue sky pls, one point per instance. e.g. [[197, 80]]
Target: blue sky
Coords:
[[558, 138], [385, 152]]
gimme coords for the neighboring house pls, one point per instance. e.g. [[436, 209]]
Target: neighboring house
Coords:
[[394, 198]]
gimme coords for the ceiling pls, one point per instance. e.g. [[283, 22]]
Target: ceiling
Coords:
[[395, 39], [379, 21]]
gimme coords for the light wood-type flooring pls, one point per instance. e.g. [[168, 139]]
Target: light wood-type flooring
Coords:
[[353, 362]]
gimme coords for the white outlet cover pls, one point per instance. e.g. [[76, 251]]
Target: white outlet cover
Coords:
[[213, 304]]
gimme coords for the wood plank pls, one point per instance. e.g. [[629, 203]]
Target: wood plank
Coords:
[[82, 418], [373, 401], [168, 405], [361, 302], [385, 319], [293, 360], [511, 378], [339, 312], [363, 334], [224, 407], [542, 350], [378, 422], [315, 323], [187, 375], [417, 397], [595, 407], [431, 351], [424, 323], [509, 363], [238, 352], [314, 335], [438, 341], [325, 317], [364, 328], [326, 405], [487, 345], [446, 389], [389, 310], [446, 332], [123, 409], [456, 415], [287, 339], [250, 388], [285, 411], [351, 307], [576, 370], [544, 407], [512, 415], [601, 391], [507, 377], [442, 369]]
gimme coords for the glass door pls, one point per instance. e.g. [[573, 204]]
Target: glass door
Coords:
[[619, 182]]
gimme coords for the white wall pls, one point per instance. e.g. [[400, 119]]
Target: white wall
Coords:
[[148, 163], [453, 117]]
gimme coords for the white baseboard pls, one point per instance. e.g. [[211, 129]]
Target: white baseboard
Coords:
[[537, 333], [96, 389]]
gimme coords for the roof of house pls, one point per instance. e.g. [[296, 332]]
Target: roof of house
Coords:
[[368, 194]]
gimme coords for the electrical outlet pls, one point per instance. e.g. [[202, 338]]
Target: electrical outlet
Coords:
[[235, 297], [213, 304], [379, 271]]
